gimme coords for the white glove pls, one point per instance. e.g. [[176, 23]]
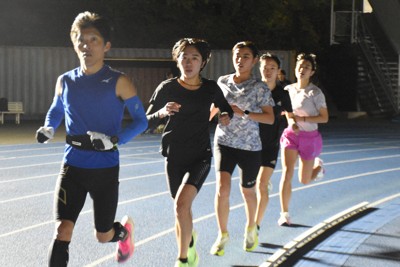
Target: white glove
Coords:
[[44, 134], [100, 141]]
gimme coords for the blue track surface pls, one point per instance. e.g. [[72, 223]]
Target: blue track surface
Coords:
[[362, 164]]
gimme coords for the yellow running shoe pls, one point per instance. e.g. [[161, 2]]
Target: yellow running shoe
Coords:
[[178, 263], [219, 246], [193, 257], [250, 239]]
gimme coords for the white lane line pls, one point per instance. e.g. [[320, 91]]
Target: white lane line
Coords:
[[373, 143], [26, 197], [383, 200], [62, 153], [27, 228], [155, 153], [31, 149], [125, 148], [211, 215], [56, 174], [31, 156], [29, 178], [283, 254], [52, 192], [338, 239], [30, 165], [361, 150], [141, 176], [361, 159], [162, 160], [85, 212], [154, 237], [203, 217], [149, 175], [59, 163], [61, 146], [346, 178]]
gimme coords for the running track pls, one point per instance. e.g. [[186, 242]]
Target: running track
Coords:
[[362, 162]]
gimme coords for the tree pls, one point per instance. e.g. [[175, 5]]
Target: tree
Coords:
[[273, 24]]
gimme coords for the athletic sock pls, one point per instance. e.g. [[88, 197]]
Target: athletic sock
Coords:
[[183, 260], [120, 232], [191, 242], [59, 253]]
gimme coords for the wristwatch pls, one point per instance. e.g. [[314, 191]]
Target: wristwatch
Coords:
[[246, 114], [114, 139]]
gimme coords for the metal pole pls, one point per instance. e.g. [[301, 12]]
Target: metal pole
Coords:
[[332, 23], [353, 23], [398, 86]]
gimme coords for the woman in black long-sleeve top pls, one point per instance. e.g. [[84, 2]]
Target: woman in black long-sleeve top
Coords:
[[186, 145]]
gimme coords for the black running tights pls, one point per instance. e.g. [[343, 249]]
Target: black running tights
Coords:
[[59, 254]]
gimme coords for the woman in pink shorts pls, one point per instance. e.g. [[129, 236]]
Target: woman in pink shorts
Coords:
[[301, 138]]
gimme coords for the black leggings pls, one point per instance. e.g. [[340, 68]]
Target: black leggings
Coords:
[[75, 183]]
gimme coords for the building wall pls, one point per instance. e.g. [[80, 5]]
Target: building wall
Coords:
[[387, 12], [29, 74]]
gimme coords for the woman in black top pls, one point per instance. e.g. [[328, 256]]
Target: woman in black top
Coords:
[[186, 102], [271, 134]]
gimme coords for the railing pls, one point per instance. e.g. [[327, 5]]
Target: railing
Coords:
[[378, 63]]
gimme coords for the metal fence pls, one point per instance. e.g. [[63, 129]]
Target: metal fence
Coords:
[[29, 74]]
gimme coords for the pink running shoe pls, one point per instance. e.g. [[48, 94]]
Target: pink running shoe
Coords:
[[126, 247]]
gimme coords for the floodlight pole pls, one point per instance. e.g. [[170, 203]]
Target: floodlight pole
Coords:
[[353, 23], [332, 41]]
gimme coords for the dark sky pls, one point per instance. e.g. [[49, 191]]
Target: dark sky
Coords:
[[38, 22]]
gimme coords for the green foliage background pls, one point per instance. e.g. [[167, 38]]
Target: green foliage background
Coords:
[[272, 24]]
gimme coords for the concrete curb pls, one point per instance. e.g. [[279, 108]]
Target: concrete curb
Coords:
[[281, 255]]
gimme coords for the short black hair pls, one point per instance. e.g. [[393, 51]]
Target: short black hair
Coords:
[[309, 57], [271, 56], [201, 45], [88, 20], [248, 44]]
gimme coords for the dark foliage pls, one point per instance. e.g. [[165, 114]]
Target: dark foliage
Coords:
[[272, 24]]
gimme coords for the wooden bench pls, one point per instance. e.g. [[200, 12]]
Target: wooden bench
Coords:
[[14, 108]]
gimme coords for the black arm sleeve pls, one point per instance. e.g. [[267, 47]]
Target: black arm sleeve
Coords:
[[157, 101], [286, 103], [221, 102]]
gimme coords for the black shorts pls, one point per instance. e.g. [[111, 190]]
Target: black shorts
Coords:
[[270, 136], [226, 159], [269, 155], [192, 172], [75, 183]]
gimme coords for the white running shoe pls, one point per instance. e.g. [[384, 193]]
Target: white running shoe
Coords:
[[284, 219], [319, 163]]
